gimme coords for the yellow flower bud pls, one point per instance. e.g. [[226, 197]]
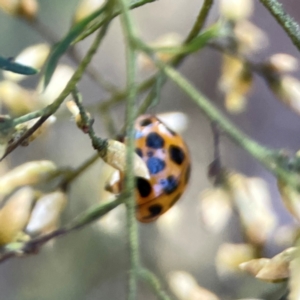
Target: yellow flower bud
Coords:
[[28, 9], [71, 105], [250, 38], [85, 8], [29, 173], [294, 279], [230, 256], [287, 89], [17, 99], [282, 62], [46, 213], [252, 200], [215, 208], [235, 102], [24, 8], [274, 269], [185, 287], [14, 214], [115, 156], [235, 9]]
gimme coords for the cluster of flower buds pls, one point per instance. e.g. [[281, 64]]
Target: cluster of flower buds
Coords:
[[73, 108], [250, 197], [27, 9], [283, 266], [272, 269], [19, 100], [283, 85], [245, 38], [25, 211]]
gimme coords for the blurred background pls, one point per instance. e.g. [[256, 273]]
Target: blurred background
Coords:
[[93, 263]]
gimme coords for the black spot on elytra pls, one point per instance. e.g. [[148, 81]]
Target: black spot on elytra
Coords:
[[145, 122], [143, 186], [154, 140], [155, 210], [155, 165], [176, 154], [139, 152], [169, 184], [175, 199], [187, 174]]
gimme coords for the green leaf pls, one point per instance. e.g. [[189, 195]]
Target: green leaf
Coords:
[[61, 47], [196, 44], [98, 22], [9, 65]]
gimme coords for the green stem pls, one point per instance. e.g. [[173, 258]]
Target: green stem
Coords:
[[49, 110], [268, 157], [290, 26], [85, 218], [130, 144], [198, 25], [96, 25], [153, 281], [200, 21], [72, 53]]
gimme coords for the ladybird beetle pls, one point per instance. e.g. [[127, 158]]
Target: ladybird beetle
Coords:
[[167, 158]]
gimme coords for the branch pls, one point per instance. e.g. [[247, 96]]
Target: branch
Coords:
[[82, 220], [72, 53], [49, 110], [290, 26], [129, 183], [177, 60], [153, 281], [271, 159]]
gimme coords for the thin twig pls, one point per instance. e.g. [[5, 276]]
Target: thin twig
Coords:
[[178, 59], [290, 26], [72, 53], [129, 184], [98, 23], [271, 159], [82, 220], [154, 282], [215, 167], [46, 112]]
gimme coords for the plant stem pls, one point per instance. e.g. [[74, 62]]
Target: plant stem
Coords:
[[46, 112], [198, 25], [200, 21], [72, 53], [268, 157], [129, 176], [153, 281], [290, 26], [132, 4], [85, 218]]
